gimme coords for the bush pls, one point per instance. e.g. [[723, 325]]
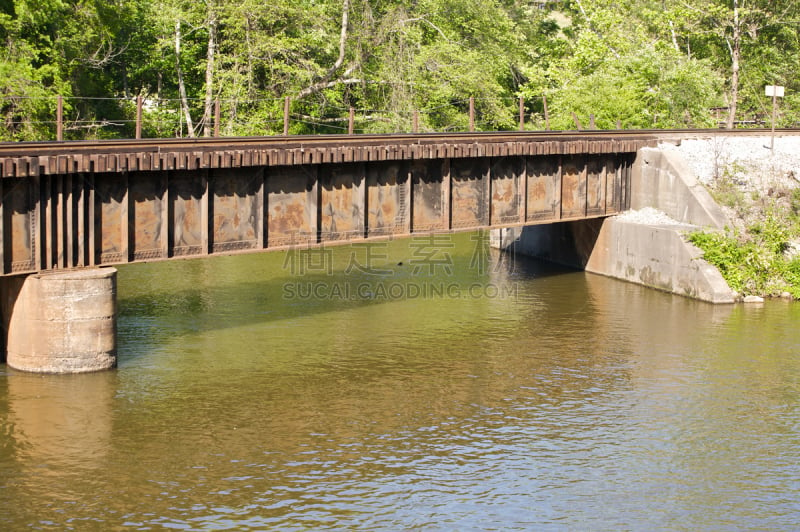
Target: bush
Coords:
[[755, 261]]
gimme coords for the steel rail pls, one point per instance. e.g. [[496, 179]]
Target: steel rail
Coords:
[[39, 148]]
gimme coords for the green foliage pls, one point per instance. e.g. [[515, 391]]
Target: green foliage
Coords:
[[727, 192], [728, 255], [647, 90], [644, 63], [792, 276], [755, 261], [794, 202]]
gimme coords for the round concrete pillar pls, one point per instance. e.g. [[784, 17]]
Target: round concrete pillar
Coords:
[[64, 322]]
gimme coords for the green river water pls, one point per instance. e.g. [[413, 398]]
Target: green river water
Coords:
[[425, 384]]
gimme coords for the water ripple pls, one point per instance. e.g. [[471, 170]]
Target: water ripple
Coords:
[[582, 404]]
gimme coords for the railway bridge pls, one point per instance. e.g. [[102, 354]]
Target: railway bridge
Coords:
[[70, 207], [79, 204]]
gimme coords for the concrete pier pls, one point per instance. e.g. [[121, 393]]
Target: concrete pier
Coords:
[[61, 322]]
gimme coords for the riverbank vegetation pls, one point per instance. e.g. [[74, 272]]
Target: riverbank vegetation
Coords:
[[759, 254], [632, 63]]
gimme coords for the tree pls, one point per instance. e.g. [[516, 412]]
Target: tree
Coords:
[[647, 63], [738, 26]]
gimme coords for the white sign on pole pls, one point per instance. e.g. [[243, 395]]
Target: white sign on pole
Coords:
[[774, 90]]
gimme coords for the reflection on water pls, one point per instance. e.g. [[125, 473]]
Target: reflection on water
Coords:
[[567, 401]]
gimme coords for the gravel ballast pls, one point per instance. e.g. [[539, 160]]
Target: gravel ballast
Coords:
[[747, 160]]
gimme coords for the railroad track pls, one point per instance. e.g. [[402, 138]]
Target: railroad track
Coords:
[[13, 149], [27, 159]]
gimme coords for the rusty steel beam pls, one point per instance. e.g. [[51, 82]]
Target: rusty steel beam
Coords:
[[74, 220], [69, 205]]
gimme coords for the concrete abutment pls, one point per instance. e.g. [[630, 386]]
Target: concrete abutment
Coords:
[[60, 322], [654, 254]]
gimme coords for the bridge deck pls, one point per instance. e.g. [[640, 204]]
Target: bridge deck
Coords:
[[76, 204], [62, 158]]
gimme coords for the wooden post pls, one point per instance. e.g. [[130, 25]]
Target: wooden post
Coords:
[[286, 116], [217, 115], [577, 122], [351, 121], [60, 119], [138, 117], [546, 115], [591, 121], [774, 113], [521, 113], [415, 123], [471, 113], [776, 91], [619, 124]]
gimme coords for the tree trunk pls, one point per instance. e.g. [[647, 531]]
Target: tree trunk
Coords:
[[735, 50], [250, 59], [212, 45], [325, 82], [125, 87], [674, 37], [181, 85]]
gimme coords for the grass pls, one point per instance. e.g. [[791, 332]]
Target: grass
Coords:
[[756, 260], [760, 254]]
